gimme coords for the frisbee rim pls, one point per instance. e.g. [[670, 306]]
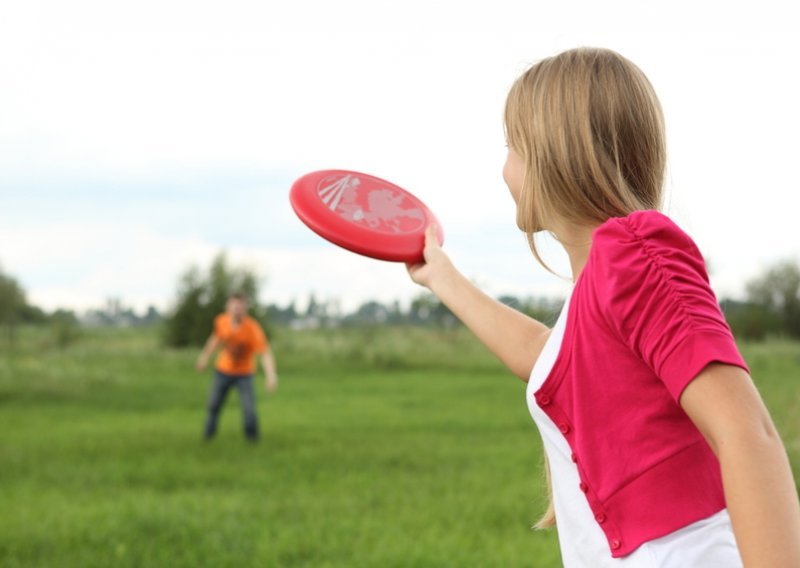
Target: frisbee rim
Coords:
[[392, 247]]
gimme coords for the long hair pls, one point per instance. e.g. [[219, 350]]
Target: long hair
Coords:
[[590, 131]]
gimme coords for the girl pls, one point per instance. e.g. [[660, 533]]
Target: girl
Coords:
[[660, 450]]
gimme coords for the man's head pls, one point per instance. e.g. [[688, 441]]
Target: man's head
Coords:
[[236, 306]]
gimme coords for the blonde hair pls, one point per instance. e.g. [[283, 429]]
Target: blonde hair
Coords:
[[590, 131]]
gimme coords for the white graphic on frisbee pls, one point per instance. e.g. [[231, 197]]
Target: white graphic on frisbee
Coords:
[[372, 205]]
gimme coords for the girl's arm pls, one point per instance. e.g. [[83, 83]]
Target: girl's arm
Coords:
[[513, 337], [759, 489]]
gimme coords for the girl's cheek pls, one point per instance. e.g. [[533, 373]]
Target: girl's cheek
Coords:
[[513, 184], [512, 174], [508, 178]]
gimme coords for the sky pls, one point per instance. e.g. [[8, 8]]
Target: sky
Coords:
[[140, 138]]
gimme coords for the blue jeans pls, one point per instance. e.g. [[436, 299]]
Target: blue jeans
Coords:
[[220, 385]]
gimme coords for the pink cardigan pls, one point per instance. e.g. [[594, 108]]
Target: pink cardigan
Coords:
[[642, 323]]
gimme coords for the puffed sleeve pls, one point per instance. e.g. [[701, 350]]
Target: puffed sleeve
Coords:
[[653, 289]]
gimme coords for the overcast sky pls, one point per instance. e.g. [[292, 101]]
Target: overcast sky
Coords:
[[137, 138]]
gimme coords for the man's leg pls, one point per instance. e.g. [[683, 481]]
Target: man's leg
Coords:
[[248, 402], [220, 384]]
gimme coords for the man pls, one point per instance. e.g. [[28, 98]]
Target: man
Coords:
[[241, 338]]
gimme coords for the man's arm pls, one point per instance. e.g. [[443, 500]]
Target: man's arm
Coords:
[[268, 364], [202, 360]]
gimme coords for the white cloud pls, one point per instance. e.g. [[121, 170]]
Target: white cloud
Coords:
[[82, 264]]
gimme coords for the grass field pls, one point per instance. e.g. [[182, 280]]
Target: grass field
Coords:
[[383, 447]]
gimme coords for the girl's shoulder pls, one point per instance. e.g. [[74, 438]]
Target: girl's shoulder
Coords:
[[644, 227], [624, 243], [641, 250]]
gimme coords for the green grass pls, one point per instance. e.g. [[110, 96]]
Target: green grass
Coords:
[[383, 447]]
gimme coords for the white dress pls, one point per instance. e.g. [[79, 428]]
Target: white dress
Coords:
[[708, 543]]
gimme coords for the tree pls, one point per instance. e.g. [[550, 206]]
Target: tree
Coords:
[[283, 316], [750, 321], [778, 292], [201, 297], [369, 313], [427, 309], [12, 304], [151, 316], [545, 310]]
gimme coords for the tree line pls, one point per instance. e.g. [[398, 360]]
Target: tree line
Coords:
[[771, 308], [15, 310], [202, 295]]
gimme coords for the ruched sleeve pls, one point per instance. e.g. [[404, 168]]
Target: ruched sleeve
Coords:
[[653, 289]]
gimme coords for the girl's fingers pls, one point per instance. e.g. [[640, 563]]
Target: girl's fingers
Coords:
[[431, 240], [430, 236]]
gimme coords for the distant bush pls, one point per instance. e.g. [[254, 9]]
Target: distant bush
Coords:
[[751, 321], [64, 328], [777, 293]]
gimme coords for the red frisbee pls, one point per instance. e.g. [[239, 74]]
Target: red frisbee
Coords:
[[364, 214]]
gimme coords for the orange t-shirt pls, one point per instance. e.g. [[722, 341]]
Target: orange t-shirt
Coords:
[[239, 345]]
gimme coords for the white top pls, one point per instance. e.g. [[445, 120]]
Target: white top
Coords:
[[708, 543]]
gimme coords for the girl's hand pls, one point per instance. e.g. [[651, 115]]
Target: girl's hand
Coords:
[[512, 336], [436, 264]]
